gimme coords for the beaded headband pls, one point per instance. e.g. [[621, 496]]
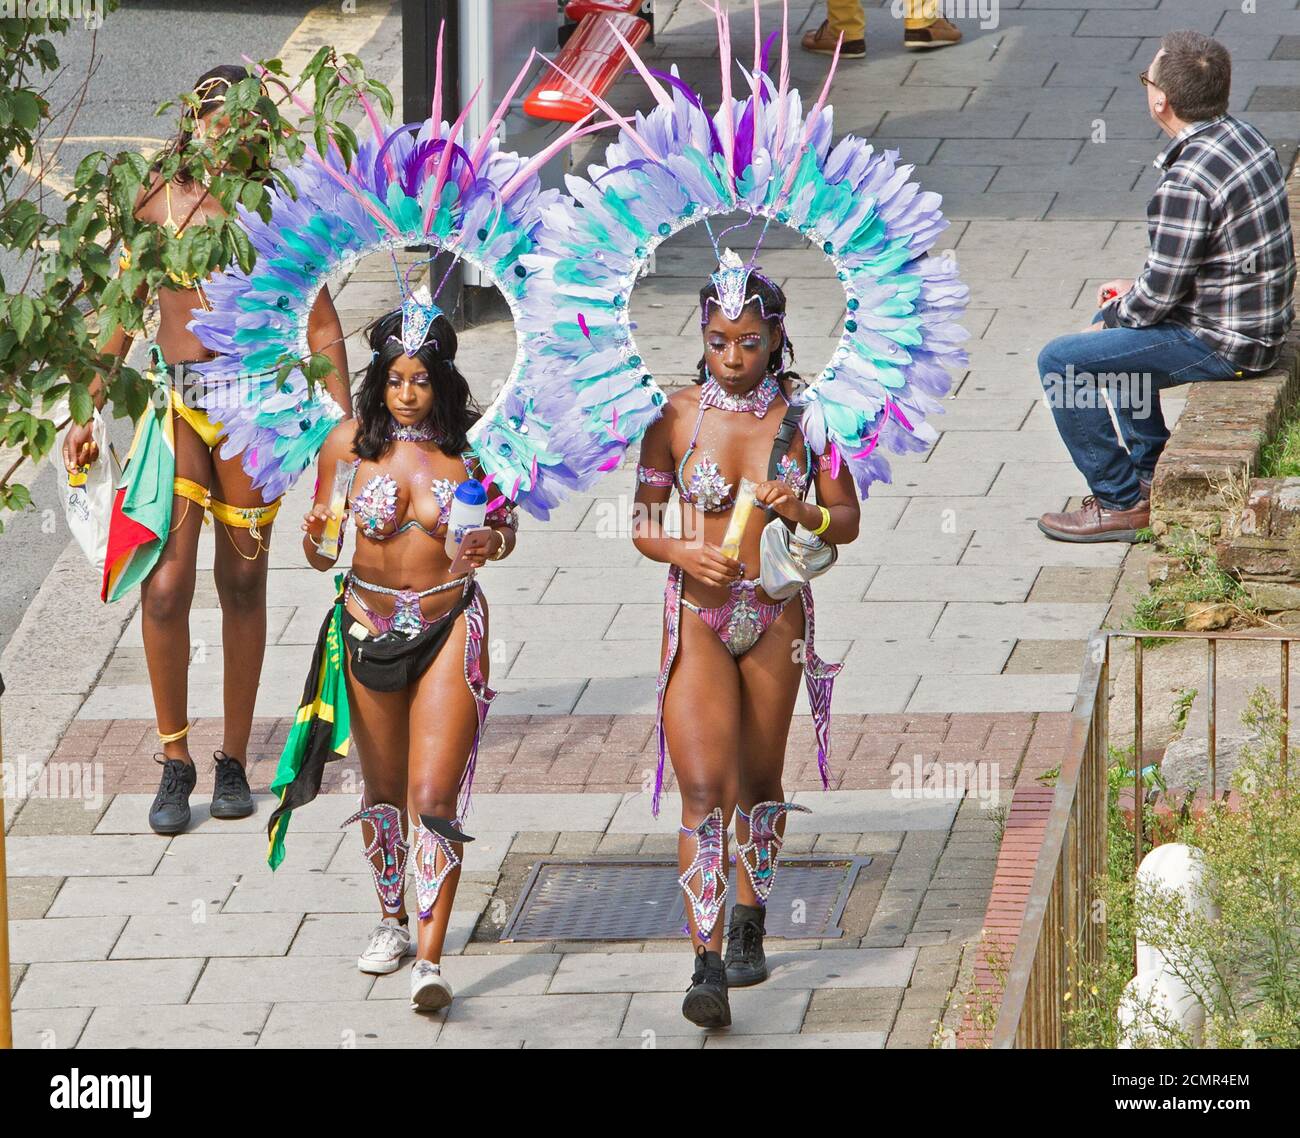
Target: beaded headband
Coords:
[[419, 308], [732, 277]]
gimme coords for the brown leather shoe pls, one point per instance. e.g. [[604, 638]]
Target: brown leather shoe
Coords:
[[942, 33], [822, 42], [1094, 522]]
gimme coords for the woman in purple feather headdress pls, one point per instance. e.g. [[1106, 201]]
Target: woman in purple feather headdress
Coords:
[[731, 663], [409, 624], [178, 471]]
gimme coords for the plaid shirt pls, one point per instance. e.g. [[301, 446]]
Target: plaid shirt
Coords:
[[1221, 260]]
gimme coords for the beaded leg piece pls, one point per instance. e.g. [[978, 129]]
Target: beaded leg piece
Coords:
[[434, 836], [385, 852], [706, 902], [758, 855]]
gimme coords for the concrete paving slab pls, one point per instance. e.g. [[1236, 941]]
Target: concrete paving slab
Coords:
[[818, 1041], [49, 1028], [1037, 621], [754, 1011], [995, 693], [128, 896], [216, 934], [287, 892], [58, 855], [281, 979], [348, 1024], [69, 938], [184, 1026], [863, 811], [107, 983]]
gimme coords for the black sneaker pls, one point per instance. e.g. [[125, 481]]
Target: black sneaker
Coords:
[[746, 961], [706, 1002], [170, 812], [231, 797]]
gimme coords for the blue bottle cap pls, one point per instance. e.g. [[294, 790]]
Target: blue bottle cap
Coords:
[[471, 492]]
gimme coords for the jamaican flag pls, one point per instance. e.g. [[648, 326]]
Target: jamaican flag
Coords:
[[321, 730]]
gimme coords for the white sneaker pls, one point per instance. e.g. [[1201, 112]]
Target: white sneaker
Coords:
[[429, 991], [389, 942]]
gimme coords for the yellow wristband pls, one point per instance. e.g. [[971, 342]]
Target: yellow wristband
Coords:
[[826, 521]]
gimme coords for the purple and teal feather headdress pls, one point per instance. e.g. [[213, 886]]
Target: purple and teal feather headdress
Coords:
[[763, 155], [413, 184]]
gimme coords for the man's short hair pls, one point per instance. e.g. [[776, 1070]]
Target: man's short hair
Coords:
[[1195, 73]]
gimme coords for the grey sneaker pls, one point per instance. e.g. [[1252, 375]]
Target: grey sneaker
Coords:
[[429, 991], [231, 797], [170, 812], [389, 942]]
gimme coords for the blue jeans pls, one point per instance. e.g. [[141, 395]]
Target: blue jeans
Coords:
[[1132, 365]]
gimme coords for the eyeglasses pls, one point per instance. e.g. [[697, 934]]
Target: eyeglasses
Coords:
[[1145, 79]]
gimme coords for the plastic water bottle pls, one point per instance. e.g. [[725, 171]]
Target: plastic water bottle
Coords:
[[468, 509]]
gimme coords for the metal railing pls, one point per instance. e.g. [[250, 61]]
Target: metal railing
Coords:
[[1058, 928], [1059, 936]]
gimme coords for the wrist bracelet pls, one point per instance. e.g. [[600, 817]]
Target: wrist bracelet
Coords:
[[500, 553], [826, 521]]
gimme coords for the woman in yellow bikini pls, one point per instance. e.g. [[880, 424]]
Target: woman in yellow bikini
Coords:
[[205, 481]]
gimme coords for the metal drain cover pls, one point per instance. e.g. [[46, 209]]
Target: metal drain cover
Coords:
[[641, 900]]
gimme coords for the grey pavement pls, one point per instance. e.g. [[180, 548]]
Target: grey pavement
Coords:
[[120, 934]]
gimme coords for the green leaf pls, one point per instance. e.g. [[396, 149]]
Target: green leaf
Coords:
[[22, 314], [250, 197], [244, 252], [318, 366], [314, 65], [26, 108], [80, 403], [18, 497], [45, 55], [44, 437], [138, 165], [88, 167]]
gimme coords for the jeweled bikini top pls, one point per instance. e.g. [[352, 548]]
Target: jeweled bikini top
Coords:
[[374, 506], [707, 489]]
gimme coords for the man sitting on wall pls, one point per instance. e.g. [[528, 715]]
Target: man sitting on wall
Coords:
[[1213, 300]]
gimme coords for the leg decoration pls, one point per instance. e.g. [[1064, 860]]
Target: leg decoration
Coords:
[[475, 627], [672, 622], [249, 518], [192, 492], [434, 836], [385, 853], [758, 854], [706, 903], [819, 678]]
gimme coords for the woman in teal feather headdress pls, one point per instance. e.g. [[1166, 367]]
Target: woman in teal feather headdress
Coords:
[[403, 470]]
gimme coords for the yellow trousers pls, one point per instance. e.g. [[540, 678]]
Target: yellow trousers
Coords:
[[846, 16]]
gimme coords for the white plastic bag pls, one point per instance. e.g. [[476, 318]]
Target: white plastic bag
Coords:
[[87, 496]]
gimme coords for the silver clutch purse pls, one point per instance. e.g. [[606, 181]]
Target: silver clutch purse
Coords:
[[788, 559]]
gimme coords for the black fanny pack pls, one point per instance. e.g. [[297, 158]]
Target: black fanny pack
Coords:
[[391, 661]]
